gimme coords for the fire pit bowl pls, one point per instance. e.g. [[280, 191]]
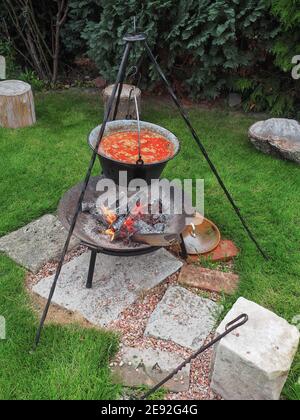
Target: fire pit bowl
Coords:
[[87, 227], [112, 167]]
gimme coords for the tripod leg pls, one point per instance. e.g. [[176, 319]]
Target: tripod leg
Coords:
[[84, 187], [89, 283], [203, 150], [120, 88], [184, 253]]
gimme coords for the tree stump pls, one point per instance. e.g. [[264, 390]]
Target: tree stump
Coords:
[[127, 104], [16, 104]]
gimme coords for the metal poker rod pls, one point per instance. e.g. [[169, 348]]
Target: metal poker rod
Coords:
[[230, 327]]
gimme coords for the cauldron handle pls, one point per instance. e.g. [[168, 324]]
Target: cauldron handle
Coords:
[[140, 160]]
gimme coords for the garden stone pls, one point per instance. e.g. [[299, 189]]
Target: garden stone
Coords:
[[117, 283], [234, 100], [138, 367], [253, 362], [277, 136], [183, 317], [37, 243]]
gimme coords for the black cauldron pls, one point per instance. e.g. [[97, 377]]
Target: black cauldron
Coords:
[[145, 171]]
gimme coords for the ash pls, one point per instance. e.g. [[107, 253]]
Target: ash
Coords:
[[144, 228], [154, 221]]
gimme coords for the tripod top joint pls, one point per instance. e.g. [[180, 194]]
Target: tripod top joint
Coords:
[[135, 37]]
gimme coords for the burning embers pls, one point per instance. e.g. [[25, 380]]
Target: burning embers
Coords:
[[140, 218]]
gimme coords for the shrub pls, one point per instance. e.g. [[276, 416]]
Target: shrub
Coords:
[[273, 88], [206, 48], [6, 49], [287, 43], [201, 44], [268, 92], [80, 13], [34, 31], [30, 77]]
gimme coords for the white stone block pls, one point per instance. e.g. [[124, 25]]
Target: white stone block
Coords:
[[253, 362]]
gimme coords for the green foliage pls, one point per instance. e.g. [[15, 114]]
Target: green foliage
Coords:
[[30, 77], [268, 92], [6, 49], [287, 45], [207, 48], [273, 90], [80, 13], [13, 70], [198, 43]]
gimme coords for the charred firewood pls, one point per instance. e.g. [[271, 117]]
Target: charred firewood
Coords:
[[91, 208], [117, 225]]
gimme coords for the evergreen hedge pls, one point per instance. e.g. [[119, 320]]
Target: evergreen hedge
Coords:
[[207, 48]]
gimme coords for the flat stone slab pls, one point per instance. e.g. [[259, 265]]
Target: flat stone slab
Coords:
[[137, 367], [277, 136], [37, 243], [253, 362], [211, 280], [118, 282], [183, 317]]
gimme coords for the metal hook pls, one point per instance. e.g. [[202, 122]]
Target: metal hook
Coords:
[[140, 160], [193, 233], [128, 116], [132, 72], [132, 75], [233, 325]]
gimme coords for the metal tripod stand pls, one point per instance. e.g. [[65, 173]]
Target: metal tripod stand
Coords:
[[116, 93]]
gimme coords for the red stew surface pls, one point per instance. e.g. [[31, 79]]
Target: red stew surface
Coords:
[[123, 146]]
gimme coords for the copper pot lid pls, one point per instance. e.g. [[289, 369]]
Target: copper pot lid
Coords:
[[201, 236]]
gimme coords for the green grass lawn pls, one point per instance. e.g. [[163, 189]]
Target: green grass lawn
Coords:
[[40, 163]]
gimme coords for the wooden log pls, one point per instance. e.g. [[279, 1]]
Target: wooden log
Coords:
[[16, 104], [127, 104]]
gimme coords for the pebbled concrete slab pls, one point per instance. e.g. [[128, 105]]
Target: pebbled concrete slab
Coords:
[[137, 367], [118, 281], [183, 317], [37, 243]]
